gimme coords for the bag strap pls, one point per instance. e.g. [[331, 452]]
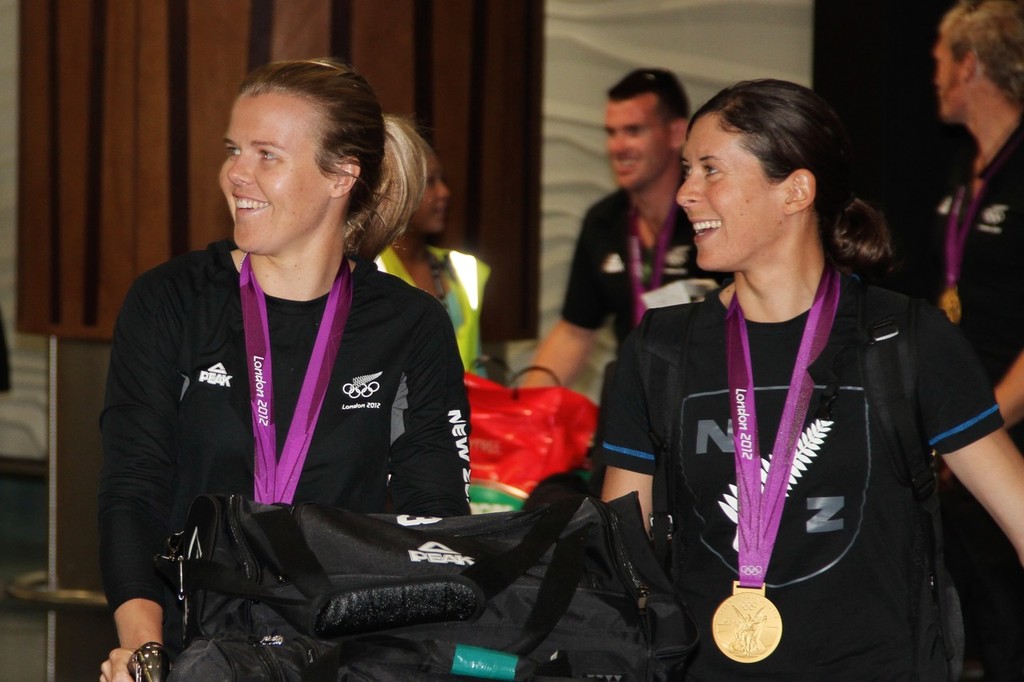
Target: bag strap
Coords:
[[555, 593], [188, 575], [496, 573], [665, 386], [297, 561], [493, 574], [890, 378], [890, 373]]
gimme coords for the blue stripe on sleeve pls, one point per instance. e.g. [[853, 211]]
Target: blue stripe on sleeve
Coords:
[[628, 451], [962, 427]]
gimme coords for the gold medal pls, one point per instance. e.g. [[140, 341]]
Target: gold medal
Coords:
[[949, 301], [746, 626]]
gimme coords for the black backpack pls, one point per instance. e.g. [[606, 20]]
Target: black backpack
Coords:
[[886, 350]]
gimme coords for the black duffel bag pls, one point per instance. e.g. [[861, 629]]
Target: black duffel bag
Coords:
[[568, 591]]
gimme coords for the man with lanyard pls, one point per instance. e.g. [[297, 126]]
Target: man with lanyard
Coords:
[[635, 249], [979, 79]]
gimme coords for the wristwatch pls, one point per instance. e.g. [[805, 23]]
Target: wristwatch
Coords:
[[150, 663]]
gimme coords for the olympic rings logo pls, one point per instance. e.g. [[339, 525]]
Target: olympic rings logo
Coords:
[[361, 390], [751, 570]]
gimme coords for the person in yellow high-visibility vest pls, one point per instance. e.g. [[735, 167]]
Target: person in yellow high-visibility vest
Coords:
[[457, 279]]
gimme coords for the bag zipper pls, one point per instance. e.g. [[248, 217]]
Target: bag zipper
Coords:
[[628, 574], [249, 565], [624, 566]]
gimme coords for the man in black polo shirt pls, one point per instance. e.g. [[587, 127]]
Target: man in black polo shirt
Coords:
[[635, 249]]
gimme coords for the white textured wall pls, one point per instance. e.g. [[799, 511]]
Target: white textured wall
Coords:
[[23, 410], [589, 45]]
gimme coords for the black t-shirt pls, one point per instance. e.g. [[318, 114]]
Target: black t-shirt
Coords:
[[991, 284], [841, 572], [599, 282], [177, 421]]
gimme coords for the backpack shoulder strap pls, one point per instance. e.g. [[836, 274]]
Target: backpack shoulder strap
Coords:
[[890, 376], [889, 367], [665, 335]]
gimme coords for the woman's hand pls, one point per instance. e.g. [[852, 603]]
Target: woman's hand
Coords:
[[115, 668], [138, 622]]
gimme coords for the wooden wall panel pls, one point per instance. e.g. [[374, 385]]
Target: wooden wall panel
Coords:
[[124, 104], [153, 197], [36, 185], [506, 120], [383, 50], [301, 30], [112, 221], [452, 108], [483, 68], [75, 55], [512, 101], [218, 58]]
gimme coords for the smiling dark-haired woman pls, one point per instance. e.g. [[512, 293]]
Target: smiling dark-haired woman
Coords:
[[798, 547]]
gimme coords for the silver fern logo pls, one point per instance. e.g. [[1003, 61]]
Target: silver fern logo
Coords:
[[807, 448], [992, 219], [994, 214], [362, 387]]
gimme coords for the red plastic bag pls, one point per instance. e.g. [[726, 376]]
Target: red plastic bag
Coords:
[[520, 436]]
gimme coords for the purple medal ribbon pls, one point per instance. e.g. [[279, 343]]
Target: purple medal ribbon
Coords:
[[636, 266], [957, 229], [275, 480], [760, 511]]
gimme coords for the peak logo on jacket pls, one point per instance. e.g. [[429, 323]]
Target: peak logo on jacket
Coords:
[[215, 376]]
